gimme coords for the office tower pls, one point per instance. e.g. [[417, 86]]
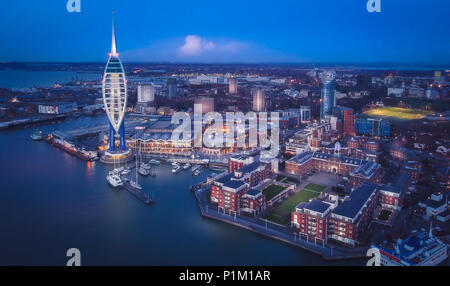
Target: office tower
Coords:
[[232, 85], [259, 100], [146, 93], [305, 114], [328, 94], [172, 87], [114, 89]]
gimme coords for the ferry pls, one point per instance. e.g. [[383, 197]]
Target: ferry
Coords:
[[114, 180], [37, 136]]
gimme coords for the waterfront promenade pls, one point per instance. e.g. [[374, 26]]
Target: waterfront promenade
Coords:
[[275, 231]]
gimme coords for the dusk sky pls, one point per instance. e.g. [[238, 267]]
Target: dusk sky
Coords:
[[406, 31]]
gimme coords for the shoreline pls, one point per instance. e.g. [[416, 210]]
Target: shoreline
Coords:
[[325, 252]]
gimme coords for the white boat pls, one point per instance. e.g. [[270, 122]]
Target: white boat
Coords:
[[174, 164], [196, 172], [145, 166], [126, 171], [195, 168], [118, 171], [143, 171], [37, 136], [186, 166], [135, 185], [114, 180], [154, 162], [176, 169]]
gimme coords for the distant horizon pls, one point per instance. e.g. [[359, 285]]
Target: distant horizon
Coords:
[[387, 65]]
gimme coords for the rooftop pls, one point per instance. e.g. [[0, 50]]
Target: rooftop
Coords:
[[316, 206], [234, 184], [253, 192], [352, 205]]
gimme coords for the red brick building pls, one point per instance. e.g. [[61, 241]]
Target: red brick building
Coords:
[[351, 218], [228, 195], [361, 170], [311, 220], [253, 202], [391, 196], [233, 192], [253, 174], [237, 162]]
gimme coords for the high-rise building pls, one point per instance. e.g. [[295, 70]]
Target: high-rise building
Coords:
[[259, 100], [172, 87], [347, 118], [305, 114], [328, 96], [114, 89], [232, 85], [146, 93]]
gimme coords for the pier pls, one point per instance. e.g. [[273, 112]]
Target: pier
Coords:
[[30, 121]]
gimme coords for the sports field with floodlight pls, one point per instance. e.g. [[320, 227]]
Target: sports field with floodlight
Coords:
[[398, 113]]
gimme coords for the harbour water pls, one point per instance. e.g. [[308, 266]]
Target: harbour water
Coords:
[[16, 79], [51, 201]]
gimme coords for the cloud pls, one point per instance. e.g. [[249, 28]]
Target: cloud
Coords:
[[195, 45]]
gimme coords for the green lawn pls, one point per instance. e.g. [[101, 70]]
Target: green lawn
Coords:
[[281, 213], [315, 188], [272, 190]]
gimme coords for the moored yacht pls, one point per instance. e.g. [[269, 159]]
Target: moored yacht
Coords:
[[114, 180], [154, 162], [143, 171], [37, 136], [176, 169]]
